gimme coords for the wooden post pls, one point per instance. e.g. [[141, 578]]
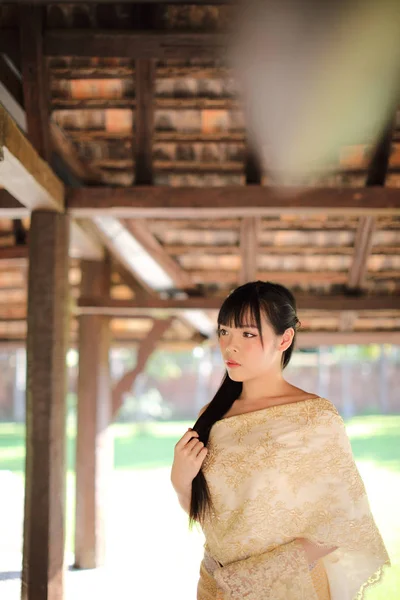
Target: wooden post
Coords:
[[35, 78], [94, 455], [43, 561]]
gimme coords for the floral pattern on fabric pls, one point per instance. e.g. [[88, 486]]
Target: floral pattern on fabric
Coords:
[[282, 473]]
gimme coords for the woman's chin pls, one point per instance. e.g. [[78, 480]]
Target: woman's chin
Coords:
[[235, 375]]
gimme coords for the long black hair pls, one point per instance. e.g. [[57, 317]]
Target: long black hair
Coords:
[[252, 300]]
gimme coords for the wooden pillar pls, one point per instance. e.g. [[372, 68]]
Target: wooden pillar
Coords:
[[35, 78], [94, 452], [43, 561]]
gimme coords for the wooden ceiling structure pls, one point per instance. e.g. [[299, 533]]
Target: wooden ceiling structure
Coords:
[[130, 199], [137, 105]]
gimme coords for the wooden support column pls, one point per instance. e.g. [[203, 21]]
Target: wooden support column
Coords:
[[94, 452], [43, 559], [35, 78]]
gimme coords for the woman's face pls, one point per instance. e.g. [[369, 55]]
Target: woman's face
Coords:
[[244, 356]]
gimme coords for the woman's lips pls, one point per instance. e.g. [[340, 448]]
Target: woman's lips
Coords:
[[232, 364]]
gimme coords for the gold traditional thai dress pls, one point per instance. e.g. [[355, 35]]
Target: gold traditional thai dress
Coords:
[[275, 475]]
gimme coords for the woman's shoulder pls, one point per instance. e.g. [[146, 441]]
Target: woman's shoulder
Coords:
[[322, 412]]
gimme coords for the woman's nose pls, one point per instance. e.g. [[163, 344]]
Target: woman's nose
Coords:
[[231, 348]]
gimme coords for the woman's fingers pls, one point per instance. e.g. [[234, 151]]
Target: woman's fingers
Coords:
[[186, 438], [193, 447]]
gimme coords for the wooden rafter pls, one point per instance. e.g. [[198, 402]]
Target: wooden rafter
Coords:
[[30, 181], [212, 202], [133, 44], [89, 72], [290, 250], [140, 231], [334, 303], [10, 208], [35, 79], [23, 173], [127, 277], [60, 104], [144, 121], [331, 338], [13, 256], [65, 148]]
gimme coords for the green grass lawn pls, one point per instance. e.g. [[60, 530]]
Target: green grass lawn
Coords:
[[375, 441]]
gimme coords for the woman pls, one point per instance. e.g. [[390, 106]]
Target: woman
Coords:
[[269, 473]]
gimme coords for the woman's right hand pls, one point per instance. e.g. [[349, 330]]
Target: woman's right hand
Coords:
[[188, 457]]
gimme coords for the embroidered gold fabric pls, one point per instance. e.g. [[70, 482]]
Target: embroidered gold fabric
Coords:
[[275, 475]]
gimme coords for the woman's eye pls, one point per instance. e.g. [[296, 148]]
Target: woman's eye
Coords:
[[248, 335], [222, 332]]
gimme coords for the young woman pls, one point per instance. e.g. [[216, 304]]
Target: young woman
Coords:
[[269, 473]]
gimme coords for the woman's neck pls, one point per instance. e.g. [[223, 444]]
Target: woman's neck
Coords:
[[261, 388]]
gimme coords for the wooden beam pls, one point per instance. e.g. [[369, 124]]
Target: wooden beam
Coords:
[[13, 256], [331, 338], [94, 447], [89, 72], [35, 78], [10, 208], [334, 303], [141, 232], [146, 348], [171, 166], [32, 185], [213, 202], [127, 277], [378, 167], [83, 242], [48, 307], [174, 137], [144, 121], [23, 173], [59, 141], [66, 150], [133, 44], [289, 250], [291, 278], [60, 104], [249, 249], [115, 237]]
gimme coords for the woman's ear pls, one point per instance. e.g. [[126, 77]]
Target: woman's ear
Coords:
[[287, 339]]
